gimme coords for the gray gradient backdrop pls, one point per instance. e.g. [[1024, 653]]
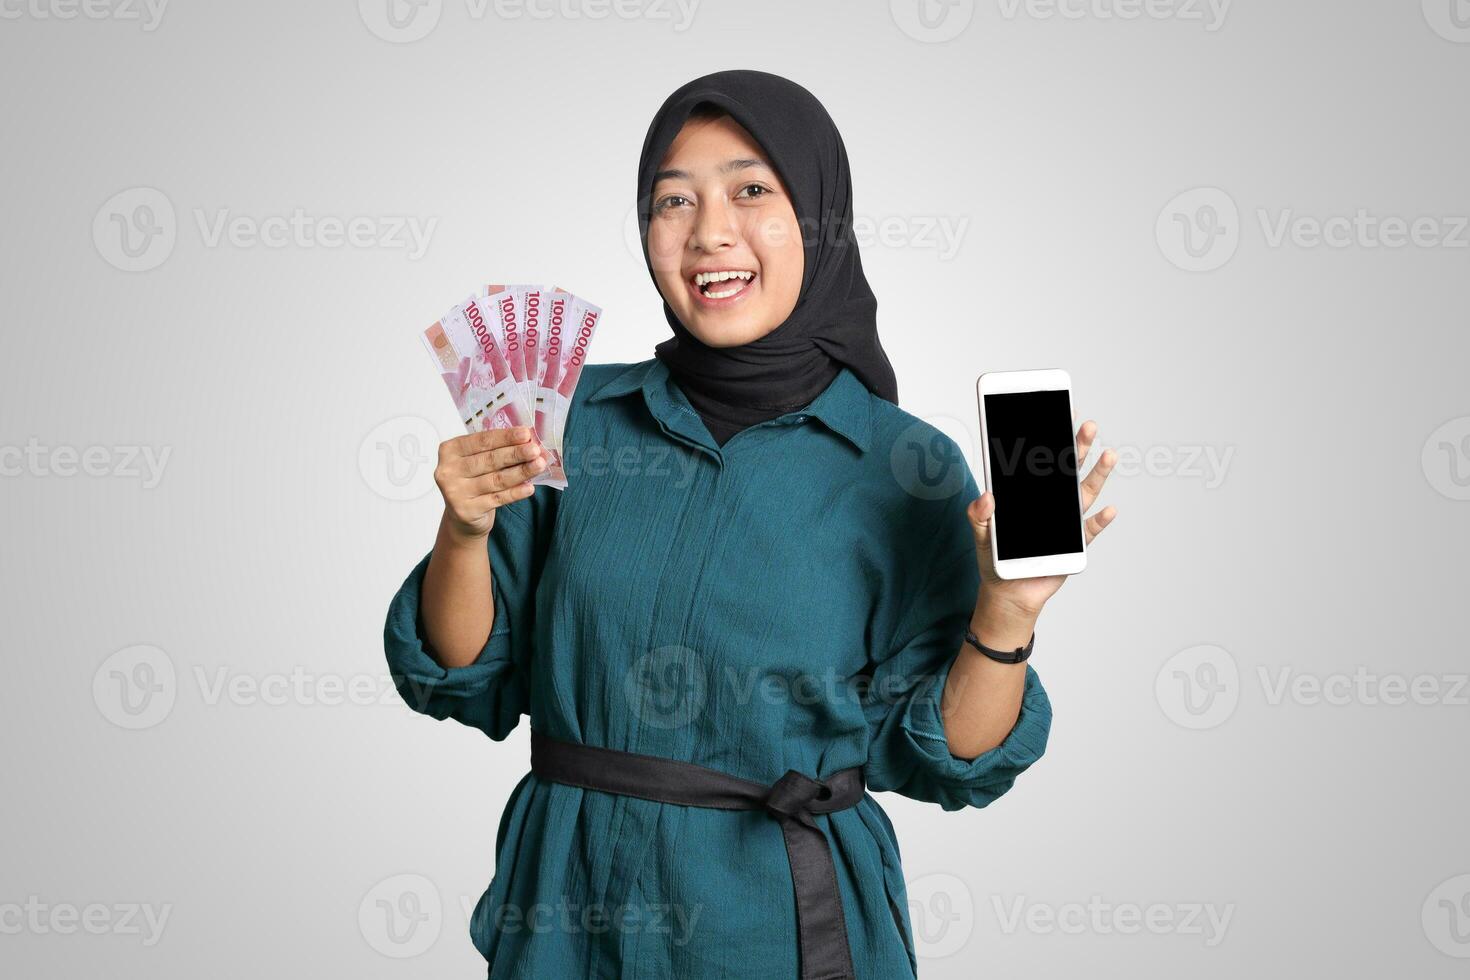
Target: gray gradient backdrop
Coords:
[[1240, 227]]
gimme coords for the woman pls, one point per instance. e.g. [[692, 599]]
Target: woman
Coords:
[[738, 615]]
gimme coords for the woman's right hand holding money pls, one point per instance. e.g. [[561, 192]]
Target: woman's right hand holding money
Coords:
[[477, 473], [481, 471]]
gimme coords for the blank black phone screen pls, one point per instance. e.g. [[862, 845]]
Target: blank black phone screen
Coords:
[[1033, 474]]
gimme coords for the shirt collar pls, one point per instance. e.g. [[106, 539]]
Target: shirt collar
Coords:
[[844, 406]]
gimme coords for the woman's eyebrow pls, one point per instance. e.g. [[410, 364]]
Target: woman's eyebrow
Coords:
[[729, 166]]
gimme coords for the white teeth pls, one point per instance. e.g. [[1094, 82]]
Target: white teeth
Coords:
[[741, 277], [705, 278]]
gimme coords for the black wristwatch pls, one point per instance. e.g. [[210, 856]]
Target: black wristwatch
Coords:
[[1016, 656]]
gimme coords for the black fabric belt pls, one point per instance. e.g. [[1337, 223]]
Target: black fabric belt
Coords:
[[792, 800]]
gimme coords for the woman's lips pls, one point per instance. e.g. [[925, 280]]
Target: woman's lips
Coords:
[[740, 287]]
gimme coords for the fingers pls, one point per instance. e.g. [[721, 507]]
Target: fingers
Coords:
[[504, 479], [982, 508], [498, 459], [484, 441], [454, 468], [475, 512], [1085, 435], [1092, 484], [1094, 525], [481, 471], [507, 496], [979, 512]]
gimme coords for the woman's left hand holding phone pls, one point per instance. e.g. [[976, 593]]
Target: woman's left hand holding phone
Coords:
[[982, 697], [1022, 599]]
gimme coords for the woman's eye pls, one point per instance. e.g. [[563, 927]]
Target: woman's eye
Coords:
[[673, 200], [760, 191]]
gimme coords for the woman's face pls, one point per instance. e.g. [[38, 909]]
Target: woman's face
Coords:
[[719, 208]]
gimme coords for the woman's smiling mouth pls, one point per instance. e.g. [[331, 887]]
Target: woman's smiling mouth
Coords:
[[720, 286]]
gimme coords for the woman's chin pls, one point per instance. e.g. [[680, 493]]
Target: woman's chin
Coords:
[[723, 331]]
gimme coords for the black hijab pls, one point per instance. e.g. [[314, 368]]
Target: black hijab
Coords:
[[834, 322]]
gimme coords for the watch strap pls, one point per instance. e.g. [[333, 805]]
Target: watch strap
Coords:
[[1015, 656]]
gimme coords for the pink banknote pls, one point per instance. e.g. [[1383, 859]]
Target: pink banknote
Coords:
[[558, 309], [512, 356], [584, 320], [490, 361], [502, 301], [483, 399]]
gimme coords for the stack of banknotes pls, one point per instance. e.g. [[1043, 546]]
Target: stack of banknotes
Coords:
[[512, 356]]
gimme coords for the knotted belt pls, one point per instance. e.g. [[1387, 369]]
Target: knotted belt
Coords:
[[792, 800]]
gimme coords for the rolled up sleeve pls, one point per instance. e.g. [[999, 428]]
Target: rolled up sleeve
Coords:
[[491, 693], [908, 751]]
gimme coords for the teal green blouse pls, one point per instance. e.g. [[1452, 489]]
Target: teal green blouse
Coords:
[[791, 600]]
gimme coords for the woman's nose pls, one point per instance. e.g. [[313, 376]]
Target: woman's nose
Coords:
[[714, 227]]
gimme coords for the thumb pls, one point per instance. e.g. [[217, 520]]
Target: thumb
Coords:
[[979, 512]]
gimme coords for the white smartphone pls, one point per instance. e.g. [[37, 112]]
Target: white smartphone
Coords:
[[1030, 460]]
